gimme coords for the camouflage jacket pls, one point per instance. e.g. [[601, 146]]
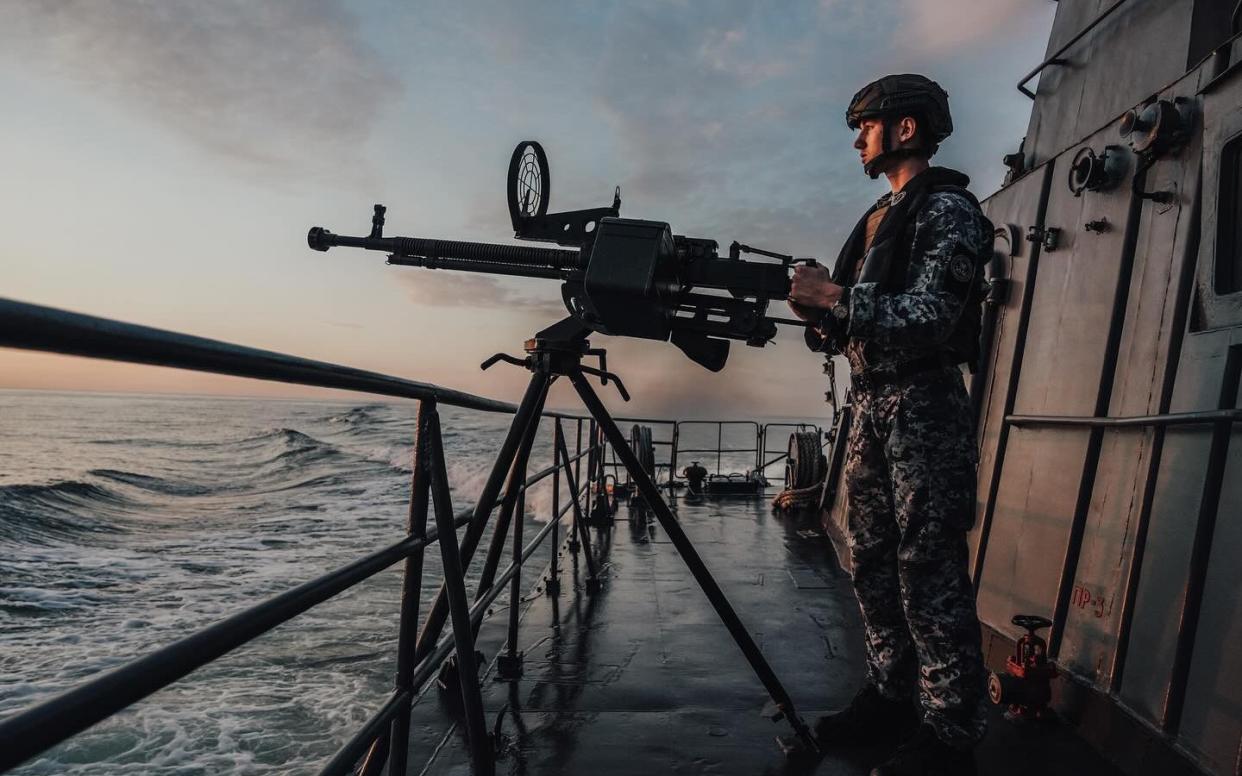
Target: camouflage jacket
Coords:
[[920, 290]]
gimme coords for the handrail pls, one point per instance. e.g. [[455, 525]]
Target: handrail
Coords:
[[343, 761], [1128, 421], [35, 327], [1056, 59]]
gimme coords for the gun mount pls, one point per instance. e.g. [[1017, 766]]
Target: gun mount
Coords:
[[620, 276]]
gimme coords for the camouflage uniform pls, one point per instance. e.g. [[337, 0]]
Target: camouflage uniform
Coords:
[[910, 470]]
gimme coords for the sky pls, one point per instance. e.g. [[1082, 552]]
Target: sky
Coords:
[[161, 162]]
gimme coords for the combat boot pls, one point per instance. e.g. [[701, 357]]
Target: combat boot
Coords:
[[869, 719], [926, 755]]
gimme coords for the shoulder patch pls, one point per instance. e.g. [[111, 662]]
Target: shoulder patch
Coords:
[[962, 268]]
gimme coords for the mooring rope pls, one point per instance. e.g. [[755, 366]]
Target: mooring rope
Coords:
[[798, 498]]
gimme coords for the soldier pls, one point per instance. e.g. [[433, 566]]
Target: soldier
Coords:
[[903, 304]]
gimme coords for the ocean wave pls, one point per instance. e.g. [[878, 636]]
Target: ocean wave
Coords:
[[284, 435], [356, 416], [37, 601], [152, 484], [293, 450], [60, 511]]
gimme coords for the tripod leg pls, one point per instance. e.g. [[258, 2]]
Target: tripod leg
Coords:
[[434, 623], [579, 526], [513, 494], [688, 554], [463, 636]]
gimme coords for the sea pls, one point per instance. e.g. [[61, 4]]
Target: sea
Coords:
[[130, 521]]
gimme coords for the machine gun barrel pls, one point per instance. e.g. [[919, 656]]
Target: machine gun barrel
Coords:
[[454, 254]]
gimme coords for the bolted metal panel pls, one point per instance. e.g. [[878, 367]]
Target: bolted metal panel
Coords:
[[1013, 210], [1211, 725], [1034, 502], [1078, 293], [1137, 51], [1073, 297], [1159, 602], [1160, 599], [1153, 329]]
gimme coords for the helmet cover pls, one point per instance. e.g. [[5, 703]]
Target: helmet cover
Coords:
[[895, 96]]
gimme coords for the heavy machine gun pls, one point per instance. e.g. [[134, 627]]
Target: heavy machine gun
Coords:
[[626, 277], [621, 276]]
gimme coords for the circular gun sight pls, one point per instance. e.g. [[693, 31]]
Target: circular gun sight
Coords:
[[529, 182]]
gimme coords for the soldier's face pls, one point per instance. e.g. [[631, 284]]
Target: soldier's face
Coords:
[[870, 140]]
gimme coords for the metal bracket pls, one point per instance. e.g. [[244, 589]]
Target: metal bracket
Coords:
[[509, 667], [1047, 236], [508, 359]]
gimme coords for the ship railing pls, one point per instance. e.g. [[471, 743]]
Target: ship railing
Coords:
[[1059, 57], [382, 742], [383, 739], [759, 448]]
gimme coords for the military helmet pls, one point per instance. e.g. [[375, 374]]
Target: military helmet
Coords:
[[894, 96]]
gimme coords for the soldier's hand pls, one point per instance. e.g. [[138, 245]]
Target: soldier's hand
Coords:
[[806, 313], [812, 287]]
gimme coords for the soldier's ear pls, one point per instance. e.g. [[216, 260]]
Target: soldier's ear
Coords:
[[907, 128]]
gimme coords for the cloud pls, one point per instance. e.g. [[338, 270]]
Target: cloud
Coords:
[[276, 86], [445, 288], [942, 27]]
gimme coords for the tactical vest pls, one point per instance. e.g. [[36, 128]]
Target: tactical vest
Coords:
[[887, 263]]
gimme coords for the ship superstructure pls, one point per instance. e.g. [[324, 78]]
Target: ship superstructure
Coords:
[[1110, 477]]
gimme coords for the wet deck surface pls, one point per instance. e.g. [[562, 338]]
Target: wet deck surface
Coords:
[[642, 677]]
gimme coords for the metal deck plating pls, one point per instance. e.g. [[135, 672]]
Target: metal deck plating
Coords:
[[643, 677]]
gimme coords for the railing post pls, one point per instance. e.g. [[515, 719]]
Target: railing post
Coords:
[[579, 528], [600, 514], [481, 755], [719, 445], [573, 543], [592, 452], [411, 587], [672, 461], [509, 666], [531, 400], [553, 583]]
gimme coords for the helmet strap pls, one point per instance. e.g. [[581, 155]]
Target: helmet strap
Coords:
[[887, 152], [872, 167]]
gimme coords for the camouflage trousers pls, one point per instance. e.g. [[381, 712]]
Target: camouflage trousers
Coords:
[[910, 479]]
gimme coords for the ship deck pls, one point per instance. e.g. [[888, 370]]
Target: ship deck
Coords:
[[642, 676]]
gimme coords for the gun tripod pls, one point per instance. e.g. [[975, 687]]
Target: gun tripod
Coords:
[[557, 351]]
